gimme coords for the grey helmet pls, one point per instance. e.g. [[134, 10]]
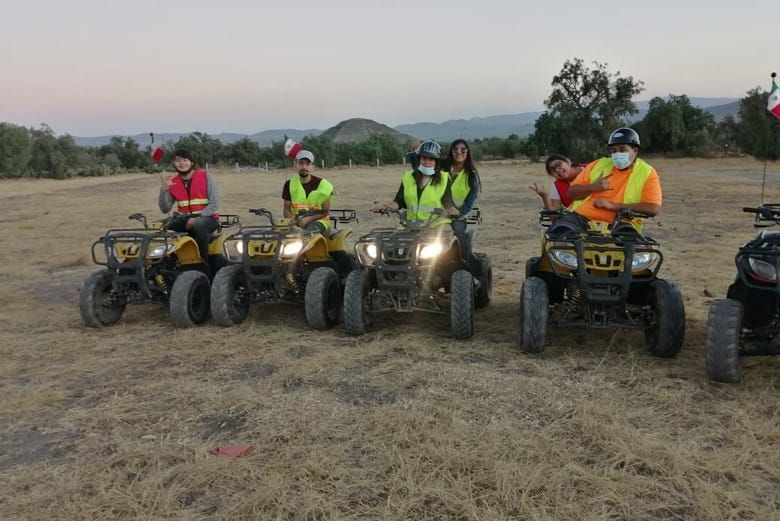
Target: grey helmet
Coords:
[[624, 136], [429, 148]]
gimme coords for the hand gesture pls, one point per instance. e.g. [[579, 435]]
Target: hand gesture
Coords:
[[601, 184], [166, 181], [607, 205], [452, 212], [541, 191]]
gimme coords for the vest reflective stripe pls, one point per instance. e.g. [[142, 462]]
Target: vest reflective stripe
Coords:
[[197, 198], [430, 198], [300, 202], [460, 188]]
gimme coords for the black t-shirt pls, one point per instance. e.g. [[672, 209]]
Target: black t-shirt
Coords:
[[308, 188]]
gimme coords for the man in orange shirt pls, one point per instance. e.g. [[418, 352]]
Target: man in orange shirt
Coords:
[[606, 185]]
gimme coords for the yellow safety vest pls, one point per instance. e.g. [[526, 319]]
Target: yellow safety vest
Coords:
[[636, 183], [300, 202], [430, 199], [460, 189]]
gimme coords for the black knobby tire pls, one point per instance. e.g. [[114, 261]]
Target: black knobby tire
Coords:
[[462, 304], [357, 319], [724, 328], [531, 265], [665, 337], [485, 278], [226, 309], [92, 297], [345, 263], [534, 309], [322, 298], [190, 299]]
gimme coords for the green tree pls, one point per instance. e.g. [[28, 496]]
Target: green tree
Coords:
[[15, 149], [244, 152], [126, 150], [676, 126], [758, 131], [585, 105]]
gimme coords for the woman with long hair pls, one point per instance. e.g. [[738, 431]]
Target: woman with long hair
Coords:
[[465, 189], [563, 172]]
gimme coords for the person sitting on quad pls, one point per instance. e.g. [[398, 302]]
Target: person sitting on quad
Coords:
[[563, 172], [195, 193], [424, 189], [465, 186], [307, 193], [611, 183]]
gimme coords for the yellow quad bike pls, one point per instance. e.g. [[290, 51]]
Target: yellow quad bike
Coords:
[[151, 264], [603, 277], [283, 263], [416, 266]]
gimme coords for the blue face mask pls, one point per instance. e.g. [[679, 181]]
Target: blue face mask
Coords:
[[426, 170], [622, 160]]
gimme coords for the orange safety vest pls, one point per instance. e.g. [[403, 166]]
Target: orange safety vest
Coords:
[[196, 198]]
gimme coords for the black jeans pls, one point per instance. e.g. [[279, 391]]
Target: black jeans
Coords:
[[201, 232]]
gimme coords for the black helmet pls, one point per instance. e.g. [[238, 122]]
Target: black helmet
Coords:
[[624, 136], [429, 148]]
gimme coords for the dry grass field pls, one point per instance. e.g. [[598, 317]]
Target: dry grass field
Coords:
[[402, 423]]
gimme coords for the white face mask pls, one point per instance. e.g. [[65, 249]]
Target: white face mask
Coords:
[[426, 170], [622, 160]]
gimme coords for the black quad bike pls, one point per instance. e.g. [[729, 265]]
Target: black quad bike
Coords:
[[416, 266], [283, 263], [151, 264], [747, 322], [605, 276]]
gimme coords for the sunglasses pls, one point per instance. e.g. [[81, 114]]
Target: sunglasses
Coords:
[[460, 149]]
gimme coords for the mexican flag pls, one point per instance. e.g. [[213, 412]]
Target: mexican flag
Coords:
[[773, 105]]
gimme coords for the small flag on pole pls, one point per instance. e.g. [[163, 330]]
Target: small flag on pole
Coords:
[[157, 152], [773, 105]]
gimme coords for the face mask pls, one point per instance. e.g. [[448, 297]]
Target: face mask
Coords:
[[426, 170], [622, 160]]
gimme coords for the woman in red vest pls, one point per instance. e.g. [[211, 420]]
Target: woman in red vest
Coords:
[[195, 194], [563, 172]]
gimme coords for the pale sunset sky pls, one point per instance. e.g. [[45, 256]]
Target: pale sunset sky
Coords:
[[100, 67]]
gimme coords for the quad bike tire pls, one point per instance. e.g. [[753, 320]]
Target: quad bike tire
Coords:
[[322, 298], [666, 336], [462, 304], [531, 265], [721, 352], [485, 292], [345, 262], [534, 310], [190, 299], [225, 310], [357, 320], [92, 295]]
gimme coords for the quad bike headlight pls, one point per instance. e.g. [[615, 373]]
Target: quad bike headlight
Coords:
[[565, 258], [158, 250], [366, 252], [429, 251], [233, 249], [643, 261], [290, 248], [762, 270]]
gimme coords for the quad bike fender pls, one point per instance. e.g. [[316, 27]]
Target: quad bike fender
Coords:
[[338, 241], [216, 244], [186, 250], [316, 249]]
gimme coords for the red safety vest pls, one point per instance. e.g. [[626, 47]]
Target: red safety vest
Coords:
[[563, 191], [196, 198]]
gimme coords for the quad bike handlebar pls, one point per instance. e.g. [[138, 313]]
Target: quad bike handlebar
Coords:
[[337, 216], [766, 213]]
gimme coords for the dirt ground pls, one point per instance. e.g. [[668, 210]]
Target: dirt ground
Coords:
[[402, 423]]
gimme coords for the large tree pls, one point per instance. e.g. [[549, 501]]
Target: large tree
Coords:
[[585, 105], [675, 126], [15, 149]]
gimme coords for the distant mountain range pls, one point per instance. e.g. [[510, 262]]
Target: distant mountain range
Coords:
[[358, 129]]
